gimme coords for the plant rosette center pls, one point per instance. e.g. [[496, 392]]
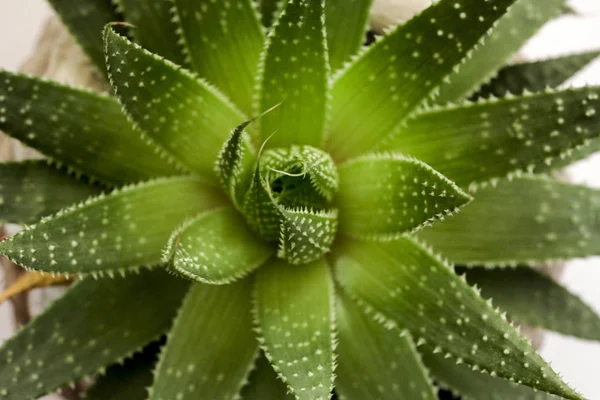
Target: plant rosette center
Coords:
[[284, 195]]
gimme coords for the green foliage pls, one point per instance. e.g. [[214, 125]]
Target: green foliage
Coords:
[[372, 359], [31, 190], [152, 26], [294, 315], [498, 138], [475, 385], [210, 349], [215, 248], [521, 21], [347, 23], [295, 74], [126, 381], [267, 163], [115, 232], [186, 117], [395, 282], [401, 72], [85, 131], [526, 220], [407, 195], [95, 324], [234, 29], [533, 298], [265, 384], [535, 76]]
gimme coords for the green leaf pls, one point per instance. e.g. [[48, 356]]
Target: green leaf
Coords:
[[222, 43], [85, 130], [294, 315], [269, 10], [402, 71], [383, 196], [535, 76], [261, 213], [185, 115], [477, 142], [527, 220], [211, 348], [535, 299], [347, 23], [523, 20], [306, 235], [294, 73], [474, 385], [216, 247], [153, 27], [405, 285], [30, 190], [126, 229], [288, 182], [234, 163], [84, 20], [265, 384], [94, 324], [374, 362], [127, 381]]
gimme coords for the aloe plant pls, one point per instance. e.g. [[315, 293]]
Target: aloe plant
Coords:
[[287, 205]]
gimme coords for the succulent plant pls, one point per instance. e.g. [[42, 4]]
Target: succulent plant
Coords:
[[288, 205]]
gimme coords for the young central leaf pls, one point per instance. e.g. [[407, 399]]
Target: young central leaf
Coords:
[[288, 198]]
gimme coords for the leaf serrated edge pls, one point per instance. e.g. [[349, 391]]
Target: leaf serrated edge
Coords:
[[529, 170], [434, 91], [160, 150], [512, 263], [506, 60], [181, 41], [394, 156], [334, 337], [330, 214], [391, 324], [83, 204], [91, 375], [169, 254], [82, 90], [177, 319]]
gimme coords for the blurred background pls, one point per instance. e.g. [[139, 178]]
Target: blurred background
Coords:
[[576, 360]]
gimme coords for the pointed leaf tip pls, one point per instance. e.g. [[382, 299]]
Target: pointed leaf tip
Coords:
[[121, 231], [184, 115], [502, 137], [523, 20], [216, 247], [526, 220], [383, 196], [405, 285], [531, 297], [306, 235], [234, 164]]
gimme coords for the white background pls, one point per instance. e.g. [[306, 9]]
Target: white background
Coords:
[[578, 361]]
